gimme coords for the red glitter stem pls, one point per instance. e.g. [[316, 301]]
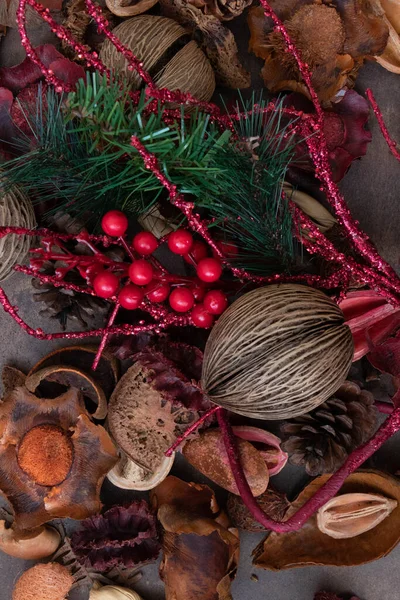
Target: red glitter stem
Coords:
[[191, 429], [394, 148], [325, 493], [104, 338]]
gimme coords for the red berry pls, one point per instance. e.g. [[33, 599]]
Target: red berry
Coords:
[[159, 294], [198, 251], [114, 223], [209, 270], [198, 293], [105, 284], [215, 302], [130, 297], [229, 249], [180, 241], [140, 272], [201, 318], [181, 299], [145, 243]]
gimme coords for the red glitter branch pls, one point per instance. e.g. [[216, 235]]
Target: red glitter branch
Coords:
[[394, 148]]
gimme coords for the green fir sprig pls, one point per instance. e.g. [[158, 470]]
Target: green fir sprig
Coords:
[[78, 156]]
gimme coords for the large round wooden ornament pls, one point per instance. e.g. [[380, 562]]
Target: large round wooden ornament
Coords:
[[173, 60], [277, 352]]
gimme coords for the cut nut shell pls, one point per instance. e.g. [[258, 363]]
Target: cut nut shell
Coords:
[[71, 377], [310, 547], [350, 515]]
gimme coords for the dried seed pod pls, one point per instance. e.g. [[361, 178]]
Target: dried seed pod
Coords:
[[33, 545], [43, 582], [113, 592], [127, 475], [276, 352], [15, 209], [175, 61], [126, 8], [350, 515]]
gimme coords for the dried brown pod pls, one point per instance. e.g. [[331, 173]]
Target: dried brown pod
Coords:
[[200, 550], [40, 543], [12, 378], [129, 8], [72, 366], [50, 581], [309, 546], [224, 10], [271, 501], [16, 210], [164, 47], [390, 58], [143, 421], [70, 377], [266, 359], [349, 515], [334, 40], [216, 40], [208, 454], [53, 459]]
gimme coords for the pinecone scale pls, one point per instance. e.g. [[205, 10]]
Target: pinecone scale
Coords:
[[321, 440]]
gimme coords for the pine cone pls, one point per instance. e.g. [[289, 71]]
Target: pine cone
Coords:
[[321, 440], [62, 304]]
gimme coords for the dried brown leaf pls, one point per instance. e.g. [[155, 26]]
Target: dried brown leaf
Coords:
[[214, 38], [200, 552], [309, 546]]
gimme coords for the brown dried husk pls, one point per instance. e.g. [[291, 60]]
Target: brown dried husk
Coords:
[[216, 41], [153, 39], [277, 352], [127, 8], [16, 210], [310, 547]]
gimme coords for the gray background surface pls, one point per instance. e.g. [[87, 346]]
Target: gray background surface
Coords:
[[372, 192]]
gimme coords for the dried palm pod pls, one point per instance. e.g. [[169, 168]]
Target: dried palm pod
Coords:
[[16, 210], [350, 515], [277, 351], [164, 47]]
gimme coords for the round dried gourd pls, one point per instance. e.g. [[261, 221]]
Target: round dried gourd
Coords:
[[16, 210], [277, 352], [173, 60]]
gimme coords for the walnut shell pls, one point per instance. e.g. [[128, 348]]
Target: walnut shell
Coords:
[[174, 61]]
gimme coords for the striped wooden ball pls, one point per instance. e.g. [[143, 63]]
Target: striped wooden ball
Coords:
[[277, 352], [173, 60]]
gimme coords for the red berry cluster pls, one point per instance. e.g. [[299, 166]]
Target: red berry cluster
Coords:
[[148, 279]]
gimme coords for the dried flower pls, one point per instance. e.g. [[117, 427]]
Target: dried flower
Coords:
[[334, 42], [123, 536], [53, 459]]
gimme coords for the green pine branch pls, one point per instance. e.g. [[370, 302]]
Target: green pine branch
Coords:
[[82, 160]]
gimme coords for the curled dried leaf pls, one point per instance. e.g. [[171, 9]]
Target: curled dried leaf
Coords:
[[214, 38], [309, 546], [127, 8], [350, 515], [201, 552]]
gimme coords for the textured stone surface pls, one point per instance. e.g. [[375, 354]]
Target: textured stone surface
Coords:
[[371, 189]]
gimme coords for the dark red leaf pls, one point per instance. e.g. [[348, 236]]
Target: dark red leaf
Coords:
[[7, 128], [18, 77]]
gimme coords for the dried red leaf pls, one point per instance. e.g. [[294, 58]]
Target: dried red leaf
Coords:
[[200, 551], [175, 377], [7, 127], [27, 72], [386, 357], [124, 536]]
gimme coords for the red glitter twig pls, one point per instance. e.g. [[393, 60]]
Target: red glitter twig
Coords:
[[191, 429], [393, 146], [104, 338]]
